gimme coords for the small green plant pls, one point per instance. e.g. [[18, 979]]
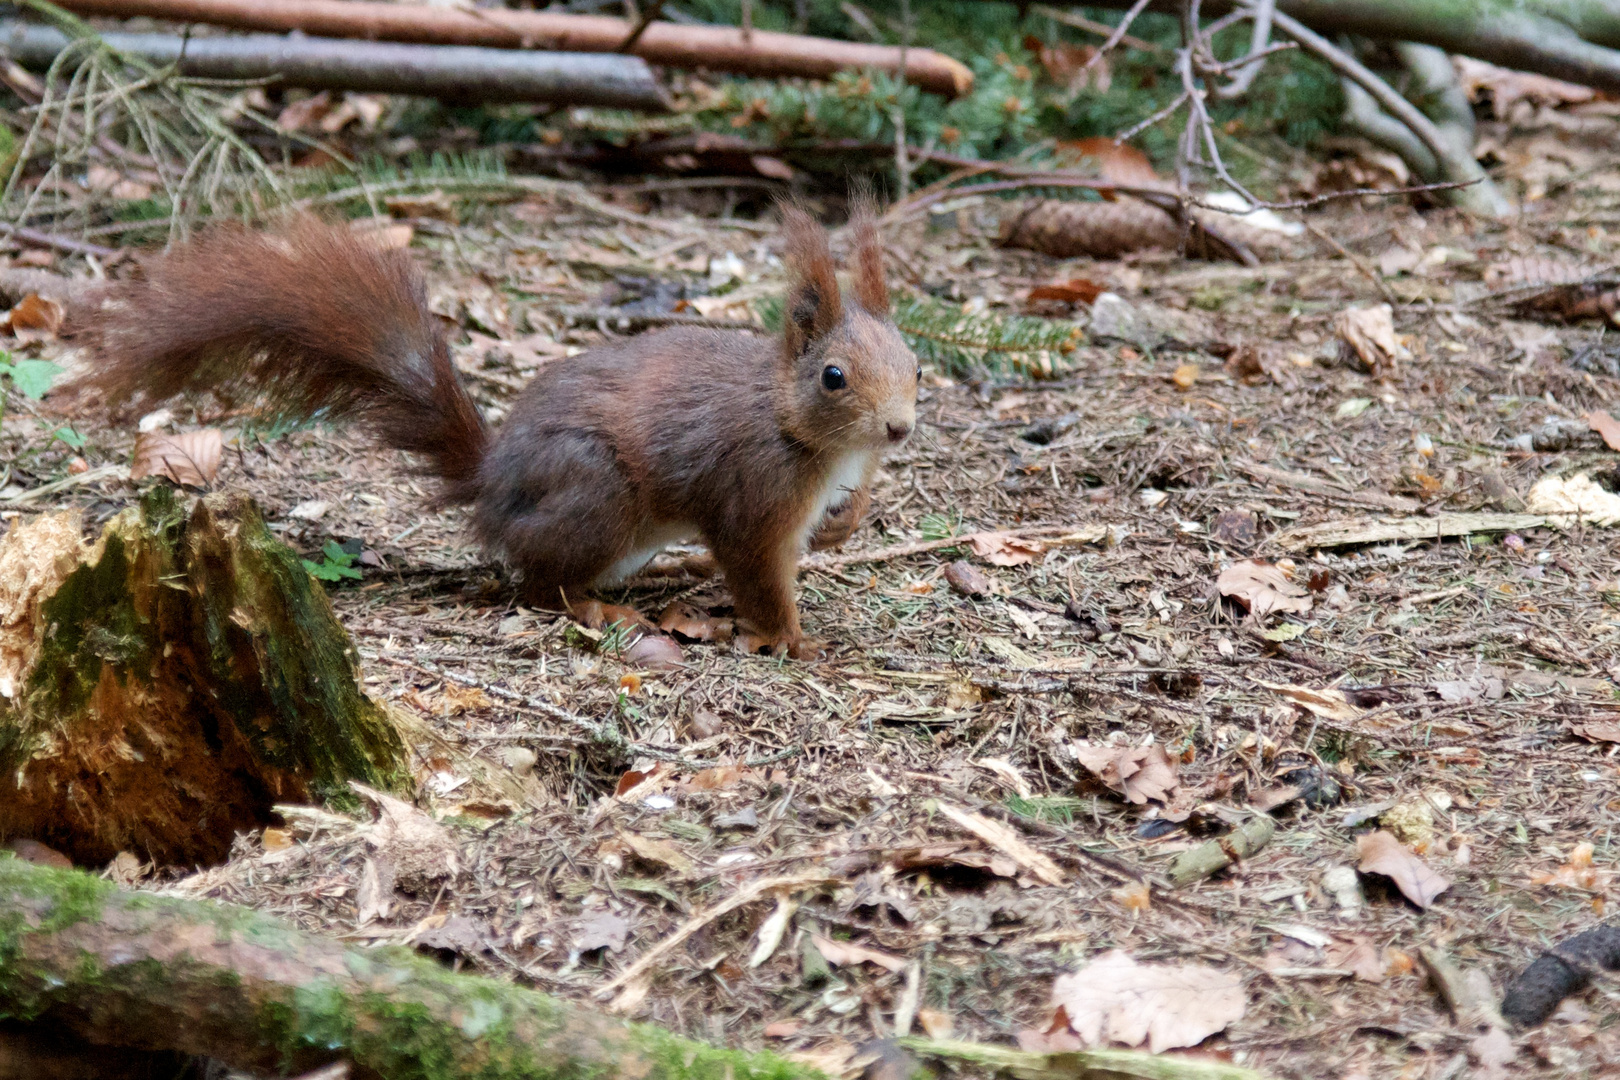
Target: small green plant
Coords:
[[615, 638], [69, 436], [1056, 808], [940, 526], [335, 565], [30, 378]]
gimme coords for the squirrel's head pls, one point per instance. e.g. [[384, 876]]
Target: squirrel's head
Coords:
[[850, 382]]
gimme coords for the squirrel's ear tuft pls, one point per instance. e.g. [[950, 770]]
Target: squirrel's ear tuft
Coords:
[[813, 305], [870, 289]]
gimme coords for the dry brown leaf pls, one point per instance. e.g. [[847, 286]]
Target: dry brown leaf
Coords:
[[374, 897], [1576, 873], [1004, 548], [1185, 376], [1358, 956], [601, 928], [1139, 773], [1606, 426], [1073, 291], [456, 699], [1262, 588], [1115, 999], [936, 1023], [721, 776], [1330, 704], [421, 850], [657, 851], [34, 319], [190, 458], [1381, 853], [1120, 163], [695, 624], [435, 205], [845, 954], [1134, 896], [782, 1029], [1598, 731], [383, 234], [1370, 334], [1507, 87], [1005, 840]]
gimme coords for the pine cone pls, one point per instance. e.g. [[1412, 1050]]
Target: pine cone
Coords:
[[1107, 230]]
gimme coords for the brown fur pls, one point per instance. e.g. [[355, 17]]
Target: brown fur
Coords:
[[605, 457]]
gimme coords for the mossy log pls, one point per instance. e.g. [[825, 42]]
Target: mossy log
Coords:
[[160, 689], [155, 973]]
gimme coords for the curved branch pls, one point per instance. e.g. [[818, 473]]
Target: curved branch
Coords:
[[1577, 40], [1482, 196]]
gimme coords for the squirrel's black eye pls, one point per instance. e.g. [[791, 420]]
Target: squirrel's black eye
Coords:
[[919, 374], [832, 377]]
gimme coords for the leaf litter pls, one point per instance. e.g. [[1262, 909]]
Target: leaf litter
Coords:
[[841, 762]]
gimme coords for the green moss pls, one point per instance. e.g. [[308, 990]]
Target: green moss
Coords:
[[392, 1012]]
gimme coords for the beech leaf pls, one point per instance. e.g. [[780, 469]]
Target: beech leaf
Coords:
[[1262, 588], [1382, 854], [1115, 999], [190, 458]]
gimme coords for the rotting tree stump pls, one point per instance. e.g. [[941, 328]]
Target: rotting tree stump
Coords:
[[160, 689]]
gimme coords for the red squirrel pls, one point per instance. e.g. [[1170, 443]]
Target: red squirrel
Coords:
[[759, 446]]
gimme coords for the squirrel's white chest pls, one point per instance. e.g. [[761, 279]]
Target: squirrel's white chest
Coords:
[[846, 476]]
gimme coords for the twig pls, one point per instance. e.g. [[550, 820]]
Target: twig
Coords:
[[1452, 165], [1119, 33], [920, 547], [36, 238], [1262, 15], [1136, 129], [749, 893], [32, 495], [1355, 260], [644, 319], [646, 20], [1080, 22]]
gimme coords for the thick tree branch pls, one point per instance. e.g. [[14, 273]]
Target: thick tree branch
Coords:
[[1577, 40], [461, 72], [719, 48], [1452, 162], [113, 968]]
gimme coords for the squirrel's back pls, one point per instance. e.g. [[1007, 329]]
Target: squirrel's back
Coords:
[[310, 320]]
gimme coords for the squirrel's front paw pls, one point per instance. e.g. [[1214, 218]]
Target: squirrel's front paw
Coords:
[[796, 648], [805, 649]]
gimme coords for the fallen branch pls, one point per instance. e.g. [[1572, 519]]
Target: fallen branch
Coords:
[[628, 982], [1073, 1064], [1385, 530], [113, 968], [1452, 162], [1216, 855], [718, 48], [1574, 40], [476, 74]]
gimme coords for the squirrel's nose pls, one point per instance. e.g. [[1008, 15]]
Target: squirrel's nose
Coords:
[[898, 432]]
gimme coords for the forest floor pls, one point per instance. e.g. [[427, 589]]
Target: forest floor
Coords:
[[1457, 692]]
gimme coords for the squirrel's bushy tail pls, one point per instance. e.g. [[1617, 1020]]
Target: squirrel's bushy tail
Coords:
[[309, 320]]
